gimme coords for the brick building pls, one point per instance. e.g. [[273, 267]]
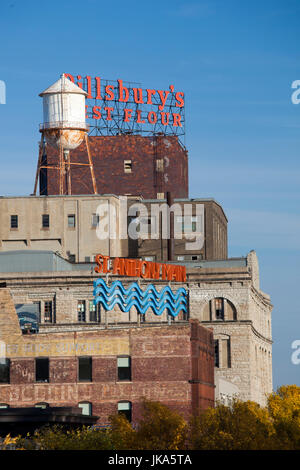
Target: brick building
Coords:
[[129, 165], [105, 369]]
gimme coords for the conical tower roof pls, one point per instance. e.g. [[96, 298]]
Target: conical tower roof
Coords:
[[63, 85]]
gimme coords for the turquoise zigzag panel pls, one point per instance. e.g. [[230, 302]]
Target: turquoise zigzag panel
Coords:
[[134, 296]]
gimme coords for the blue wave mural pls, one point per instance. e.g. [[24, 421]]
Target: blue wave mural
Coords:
[[134, 296]]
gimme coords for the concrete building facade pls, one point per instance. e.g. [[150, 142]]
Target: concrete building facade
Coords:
[[67, 225]]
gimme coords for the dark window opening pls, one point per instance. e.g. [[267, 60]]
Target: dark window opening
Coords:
[[95, 220], [45, 221], [4, 371], [81, 310], [95, 311], [219, 305], [13, 221], [124, 368], [85, 369], [124, 407], [48, 311], [217, 362], [71, 220], [42, 369]]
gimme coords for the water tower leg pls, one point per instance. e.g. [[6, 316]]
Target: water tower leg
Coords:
[[38, 165], [69, 188], [91, 165], [61, 167]]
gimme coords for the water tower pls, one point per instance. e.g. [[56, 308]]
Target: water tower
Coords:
[[65, 128]]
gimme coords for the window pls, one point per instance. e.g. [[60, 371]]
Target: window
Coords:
[[223, 352], [219, 306], [188, 223], [149, 258], [87, 259], [86, 408], [81, 310], [124, 368], [180, 258], [42, 369], [13, 221], [127, 166], [217, 353], [4, 371], [72, 258], [160, 195], [48, 312], [71, 220], [160, 165], [38, 305], [95, 220], [95, 311], [124, 407], [41, 405], [45, 221], [85, 369]]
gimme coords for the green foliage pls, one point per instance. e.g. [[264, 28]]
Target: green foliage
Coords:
[[243, 426], [57, 438]]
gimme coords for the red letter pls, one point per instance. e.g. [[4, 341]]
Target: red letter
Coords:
[[109, 92], [138, 100], [152, 117], [163, 98], [176, 120], [98, 88], [98, 260], [163, 120], [78, 82], [127, 114], [149, 95], [119, 266], [109, 110], [86, 111], [97, 114], [89, 87], [139, 120], [69, 76], [121, 90], [180, 100]]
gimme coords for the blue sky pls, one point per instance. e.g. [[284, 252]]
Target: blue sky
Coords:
[[235, 60]]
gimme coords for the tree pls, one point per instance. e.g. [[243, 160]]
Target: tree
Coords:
[[159, 428], [284, 409], [244, 426]]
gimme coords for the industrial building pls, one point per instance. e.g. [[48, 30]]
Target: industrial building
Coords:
[[105, 360]]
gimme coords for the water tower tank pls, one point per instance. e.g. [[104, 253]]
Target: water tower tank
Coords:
[[64, 114]]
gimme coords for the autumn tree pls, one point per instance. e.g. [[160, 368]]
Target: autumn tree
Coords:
[[159, 428], [284, 409], [243, 426]]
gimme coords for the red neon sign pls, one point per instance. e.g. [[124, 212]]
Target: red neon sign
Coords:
[[128, 104]]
